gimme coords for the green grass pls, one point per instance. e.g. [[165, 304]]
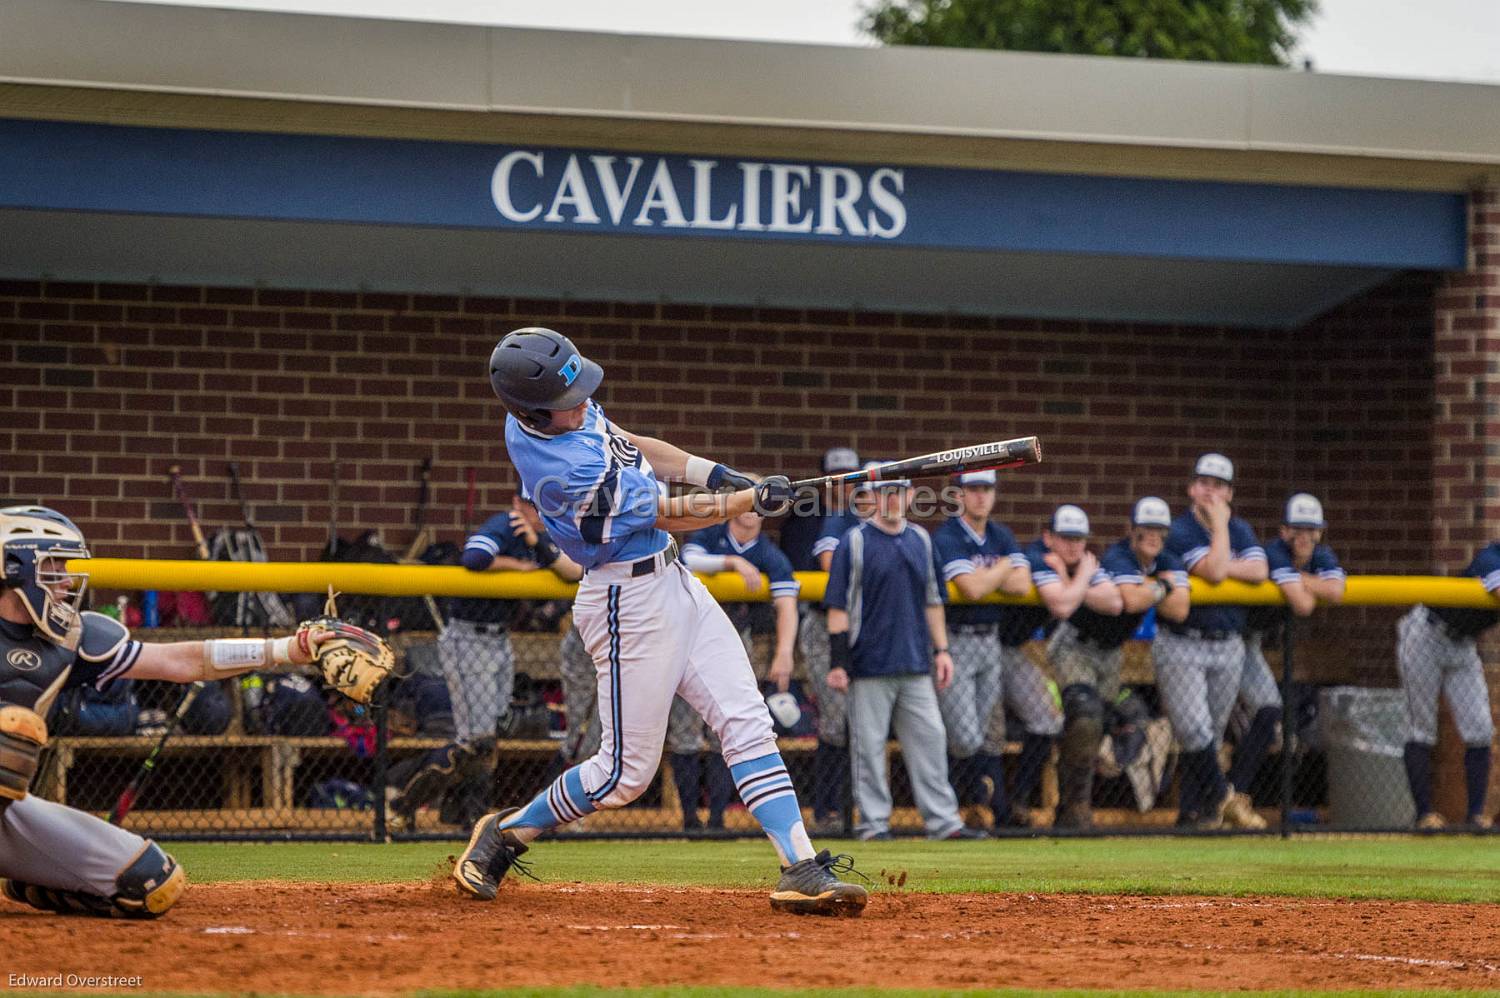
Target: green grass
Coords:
[[1418, 868]]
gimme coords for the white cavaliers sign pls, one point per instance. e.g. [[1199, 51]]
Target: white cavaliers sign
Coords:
[[630, 193]]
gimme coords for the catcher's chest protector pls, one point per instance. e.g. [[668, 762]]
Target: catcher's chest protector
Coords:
[[31, 668]]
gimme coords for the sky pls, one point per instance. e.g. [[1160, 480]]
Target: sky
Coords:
[[1446, 40]]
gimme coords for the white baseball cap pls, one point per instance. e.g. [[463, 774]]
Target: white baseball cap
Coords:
[[977, 477], [839, 459], [1070, 521], [1304, 510], [1215, 466], [1151, 512], [784, 708], [885, 483]]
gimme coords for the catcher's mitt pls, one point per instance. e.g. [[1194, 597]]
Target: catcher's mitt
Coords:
[[354, 661]]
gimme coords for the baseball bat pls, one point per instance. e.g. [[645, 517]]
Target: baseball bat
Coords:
[[420, 541], [995, 455], [175, 473], [234, 485], [131, 792], [332, 548]]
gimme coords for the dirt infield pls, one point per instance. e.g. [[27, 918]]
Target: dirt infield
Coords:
[[277, 937]]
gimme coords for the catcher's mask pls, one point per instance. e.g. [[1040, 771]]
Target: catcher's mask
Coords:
[[537, 371], [35, 545]]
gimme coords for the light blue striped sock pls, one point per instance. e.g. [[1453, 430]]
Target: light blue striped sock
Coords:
[[563, 801], [767, 791]]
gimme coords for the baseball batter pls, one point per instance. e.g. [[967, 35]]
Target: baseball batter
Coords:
[[53, 857], [651, 627], [1437, 654], [1199, 661]]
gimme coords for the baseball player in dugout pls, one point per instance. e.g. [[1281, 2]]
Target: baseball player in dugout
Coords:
[[888, 647], [979, 556], [1086, 649], [651, 627], [51, 856], [478, 664], [1437, 654], [1308, 573], [1200, 660], [831, 758], [737, 546]]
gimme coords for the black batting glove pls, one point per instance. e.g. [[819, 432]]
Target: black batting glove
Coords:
[[773, 495], [725, 477]]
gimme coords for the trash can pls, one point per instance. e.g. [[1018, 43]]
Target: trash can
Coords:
[[1363, 732]]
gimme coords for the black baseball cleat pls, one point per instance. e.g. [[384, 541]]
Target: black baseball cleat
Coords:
[[811, 887], [491, 854]]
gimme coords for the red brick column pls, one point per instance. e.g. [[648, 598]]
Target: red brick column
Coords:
[[1466, 442]]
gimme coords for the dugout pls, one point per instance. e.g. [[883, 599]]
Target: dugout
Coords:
[[290, 240]]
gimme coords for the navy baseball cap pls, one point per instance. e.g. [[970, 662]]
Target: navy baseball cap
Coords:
[[1304, 510], [1070, 521]]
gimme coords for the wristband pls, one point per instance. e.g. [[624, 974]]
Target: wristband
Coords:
[[546, 551], [939, 651], [839, 656], [230, 656], [701, 471], [1159, 591]]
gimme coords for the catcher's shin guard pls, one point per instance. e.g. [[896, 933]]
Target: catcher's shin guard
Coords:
[[812, 887], [491, 854], [148, 886]]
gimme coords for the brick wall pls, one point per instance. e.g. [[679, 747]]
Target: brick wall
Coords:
[[106, 386]]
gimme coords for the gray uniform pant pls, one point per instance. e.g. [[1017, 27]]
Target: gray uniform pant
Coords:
[[1024, 690], [51, 845], [968, 701], [1077, 663], [1432, 663], [580, 697], [911, 702], [833, 705], [480, 669], [1258, 687], [1198, 680]]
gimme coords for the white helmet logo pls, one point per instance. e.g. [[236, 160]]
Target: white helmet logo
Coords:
[[24, 660]]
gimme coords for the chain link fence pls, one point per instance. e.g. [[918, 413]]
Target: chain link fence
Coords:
[[1383, 727]]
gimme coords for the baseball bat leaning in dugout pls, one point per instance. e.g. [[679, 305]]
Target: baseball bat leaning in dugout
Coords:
[[997, 455], [131, 792], [175, 474]]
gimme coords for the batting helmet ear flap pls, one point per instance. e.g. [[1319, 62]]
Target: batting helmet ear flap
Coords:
[[536, 371]]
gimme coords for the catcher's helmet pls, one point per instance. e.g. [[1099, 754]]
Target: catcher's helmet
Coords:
[[536, 371], [35, 543]]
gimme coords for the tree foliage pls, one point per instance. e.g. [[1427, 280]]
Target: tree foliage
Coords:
[[1253, 31]]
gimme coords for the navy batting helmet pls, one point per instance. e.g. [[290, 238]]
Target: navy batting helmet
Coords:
[[35, 544], [536, 371]]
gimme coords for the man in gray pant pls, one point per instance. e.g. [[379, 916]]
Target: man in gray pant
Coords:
[[888, 646]]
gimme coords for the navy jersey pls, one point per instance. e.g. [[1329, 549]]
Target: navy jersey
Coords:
[[1019, 624], [1189, 540], [1465, 622], [760, 552], [1283, 568], [1122, 566], [594, 489], [493, 538], [885, 582], [832, 530], [960, 550]]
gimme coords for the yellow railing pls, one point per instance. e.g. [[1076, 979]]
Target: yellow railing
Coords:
[[428, 580]]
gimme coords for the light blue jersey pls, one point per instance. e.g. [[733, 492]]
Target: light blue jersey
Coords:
[[594, 489]]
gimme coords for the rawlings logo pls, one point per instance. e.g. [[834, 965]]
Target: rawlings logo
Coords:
[[24, 660]]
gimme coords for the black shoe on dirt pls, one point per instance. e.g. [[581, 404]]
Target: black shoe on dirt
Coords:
[[491, 854], [812, 887]]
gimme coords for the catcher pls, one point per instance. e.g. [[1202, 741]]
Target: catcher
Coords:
[[51, 856]]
